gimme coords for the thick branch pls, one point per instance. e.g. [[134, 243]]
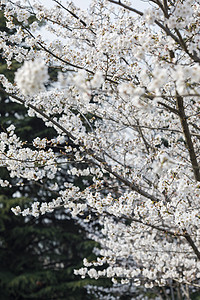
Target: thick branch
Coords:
[[74, 15], [54, 55], [185, 235], [178, 39], [171, 109], [90, 152], [166, 231], [188, 139], [192, 244], [62, 60], [163, 7], [167, 31], [184, 46], [127, 7]]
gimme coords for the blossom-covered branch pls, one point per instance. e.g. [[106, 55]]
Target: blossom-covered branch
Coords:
[[126, 121]]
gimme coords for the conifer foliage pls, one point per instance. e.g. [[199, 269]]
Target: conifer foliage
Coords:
[[37, 255]]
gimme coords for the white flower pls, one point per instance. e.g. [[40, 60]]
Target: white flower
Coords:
[[16, 210], [30, 78], [97, 80]]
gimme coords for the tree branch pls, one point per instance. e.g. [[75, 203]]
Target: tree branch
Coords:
[[188, 139], [171, 109], [192, 244], [167, 31], [74, 15], [178, 39], [132, 185]]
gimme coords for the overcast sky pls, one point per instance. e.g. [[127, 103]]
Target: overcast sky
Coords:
[[136, 3], [83, 4], [139, 4]]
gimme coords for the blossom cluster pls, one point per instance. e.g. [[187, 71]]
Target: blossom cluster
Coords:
[[125, 109], [30, 78]]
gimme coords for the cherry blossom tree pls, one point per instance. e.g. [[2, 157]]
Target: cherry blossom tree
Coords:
[[126, 111]]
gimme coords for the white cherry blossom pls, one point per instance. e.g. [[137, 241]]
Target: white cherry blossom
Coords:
[[125, 110]]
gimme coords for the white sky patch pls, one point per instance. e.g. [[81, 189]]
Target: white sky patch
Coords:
[[84, 4]]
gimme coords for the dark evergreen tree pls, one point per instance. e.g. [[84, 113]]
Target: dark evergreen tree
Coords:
[[37, 255]]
